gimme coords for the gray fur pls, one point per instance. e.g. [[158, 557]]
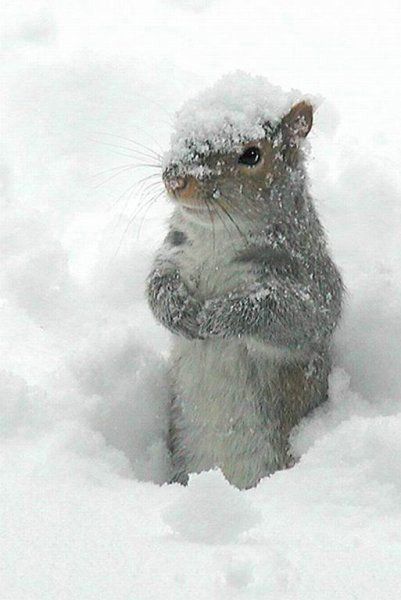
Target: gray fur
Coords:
[[253, 298], [176, 237]]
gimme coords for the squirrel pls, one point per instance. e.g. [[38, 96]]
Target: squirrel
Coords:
[[246, 284]]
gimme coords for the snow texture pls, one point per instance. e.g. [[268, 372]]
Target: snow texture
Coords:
[[238, 108], [83, 395], [211, 511]]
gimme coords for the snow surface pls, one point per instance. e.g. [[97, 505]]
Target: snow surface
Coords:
[[235, 110], [83, 514]]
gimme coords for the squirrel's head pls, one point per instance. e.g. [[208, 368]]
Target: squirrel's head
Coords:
[[209, 182]]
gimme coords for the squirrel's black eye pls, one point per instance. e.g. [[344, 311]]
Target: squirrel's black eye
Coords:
[[250, 157]]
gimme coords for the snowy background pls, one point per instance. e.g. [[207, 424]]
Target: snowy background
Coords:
[[83, 514]]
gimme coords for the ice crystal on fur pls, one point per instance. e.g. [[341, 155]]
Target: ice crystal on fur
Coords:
[[234, 110]]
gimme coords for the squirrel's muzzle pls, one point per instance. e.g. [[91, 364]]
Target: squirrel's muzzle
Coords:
[[174, 185], [181, 187]]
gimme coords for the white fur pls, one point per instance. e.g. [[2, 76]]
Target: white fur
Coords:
[[207, 262], [220, 422]]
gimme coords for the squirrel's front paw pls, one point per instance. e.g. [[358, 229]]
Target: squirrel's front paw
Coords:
[[228, 316], [184, 320], [212, 321], [173, 305]]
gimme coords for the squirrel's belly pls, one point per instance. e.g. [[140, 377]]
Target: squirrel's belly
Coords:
[[224, 410]]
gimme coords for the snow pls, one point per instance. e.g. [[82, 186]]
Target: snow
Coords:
[[211, 511], [236, 109], [84, 512]]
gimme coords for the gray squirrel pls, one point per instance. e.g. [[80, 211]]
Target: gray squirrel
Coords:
[[245, 283]]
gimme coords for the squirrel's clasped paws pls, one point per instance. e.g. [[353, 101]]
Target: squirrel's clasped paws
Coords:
[[173, 305]]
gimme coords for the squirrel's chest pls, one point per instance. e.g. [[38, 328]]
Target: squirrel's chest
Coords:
[[208, 266]]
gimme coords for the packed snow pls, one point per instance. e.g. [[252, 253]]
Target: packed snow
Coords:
[[85, 513], [238, 108]]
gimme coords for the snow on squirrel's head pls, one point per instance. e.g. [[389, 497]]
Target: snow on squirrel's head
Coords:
[[234, 142]]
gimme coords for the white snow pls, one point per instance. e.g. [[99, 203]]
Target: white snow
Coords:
[[83, 398], [211, 511], [235, 110]]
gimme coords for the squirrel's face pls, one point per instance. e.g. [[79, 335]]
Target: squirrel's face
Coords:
[[237, 182]]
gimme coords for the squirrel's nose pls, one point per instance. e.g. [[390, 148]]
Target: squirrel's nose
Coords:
[[175, 184]]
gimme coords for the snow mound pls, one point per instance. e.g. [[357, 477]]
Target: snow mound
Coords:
[[236, 109], [211, 511]]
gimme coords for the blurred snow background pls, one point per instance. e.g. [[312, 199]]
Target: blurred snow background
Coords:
[[82, 384]]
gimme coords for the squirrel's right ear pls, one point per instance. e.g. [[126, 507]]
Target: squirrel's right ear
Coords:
[[298, 122]]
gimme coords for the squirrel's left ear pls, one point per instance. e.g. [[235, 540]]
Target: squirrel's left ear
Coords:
[[298, 122]]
